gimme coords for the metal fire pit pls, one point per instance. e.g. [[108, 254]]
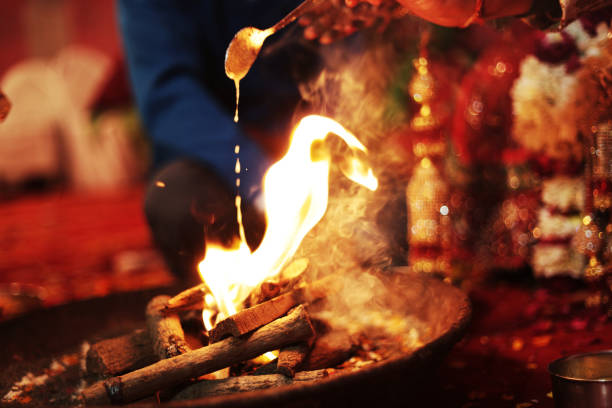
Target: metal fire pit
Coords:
[[29, 342]]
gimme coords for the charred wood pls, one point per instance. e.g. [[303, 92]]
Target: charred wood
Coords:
[[246, 383], [164, 374], [330, 349], [290, 358], [121, 354], [194, 298], [165, 330], [190, 299], [250, 319], [289, 278]]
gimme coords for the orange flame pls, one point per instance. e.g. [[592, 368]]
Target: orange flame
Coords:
[[296, 195]]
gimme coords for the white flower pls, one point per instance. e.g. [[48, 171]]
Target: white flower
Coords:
[[542, 103], [588, 45]]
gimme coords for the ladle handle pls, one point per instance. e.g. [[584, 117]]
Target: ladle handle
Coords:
[[294, 14]]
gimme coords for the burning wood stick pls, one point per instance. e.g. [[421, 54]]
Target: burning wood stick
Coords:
[[254, 317], [190, 299], [289, 277], [264, 291], [245, 383], [193, 298], [294, 270], [170, 372], [165, 330], [121, 354], [290, 358]]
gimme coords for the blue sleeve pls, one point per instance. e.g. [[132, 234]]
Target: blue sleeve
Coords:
[[163, 42]]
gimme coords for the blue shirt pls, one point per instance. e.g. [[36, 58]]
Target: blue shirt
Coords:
[[175, 51]]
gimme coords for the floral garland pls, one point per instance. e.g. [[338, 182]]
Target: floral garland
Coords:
[[563, 89]]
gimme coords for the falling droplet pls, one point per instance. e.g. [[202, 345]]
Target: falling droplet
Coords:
[[238, 203], [238, 200], [237, 83]]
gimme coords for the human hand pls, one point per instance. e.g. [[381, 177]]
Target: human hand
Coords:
[[333, 19], [461, 13]]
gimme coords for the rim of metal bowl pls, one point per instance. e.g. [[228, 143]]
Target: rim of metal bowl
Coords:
[[553, 369]]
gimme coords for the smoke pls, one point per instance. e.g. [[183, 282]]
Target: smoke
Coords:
[[347, 238], [353, 87], [350, 241], [381, 308]]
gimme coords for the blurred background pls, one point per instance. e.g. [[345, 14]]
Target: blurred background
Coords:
[[72, 159], [61, 63]]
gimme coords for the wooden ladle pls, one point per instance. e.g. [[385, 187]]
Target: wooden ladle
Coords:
[[246, 44]]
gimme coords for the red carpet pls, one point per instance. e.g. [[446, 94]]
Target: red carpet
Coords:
[[67, 246]]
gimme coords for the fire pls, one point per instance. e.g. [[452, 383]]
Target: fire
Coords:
[[296, 196]]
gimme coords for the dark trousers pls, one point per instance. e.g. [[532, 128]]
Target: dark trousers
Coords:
[[187, 205]]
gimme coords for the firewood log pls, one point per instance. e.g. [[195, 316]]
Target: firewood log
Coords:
[[190, 299], [291, 357], [165, 330], [289, 277], [250, 319], [171, 372], [193, 298], [268, 368], [330, 349], [245, 383], [121, 354], [264, 291]]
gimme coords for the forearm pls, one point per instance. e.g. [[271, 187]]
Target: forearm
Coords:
[[456, 13], [504, 8], [163, 45]]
